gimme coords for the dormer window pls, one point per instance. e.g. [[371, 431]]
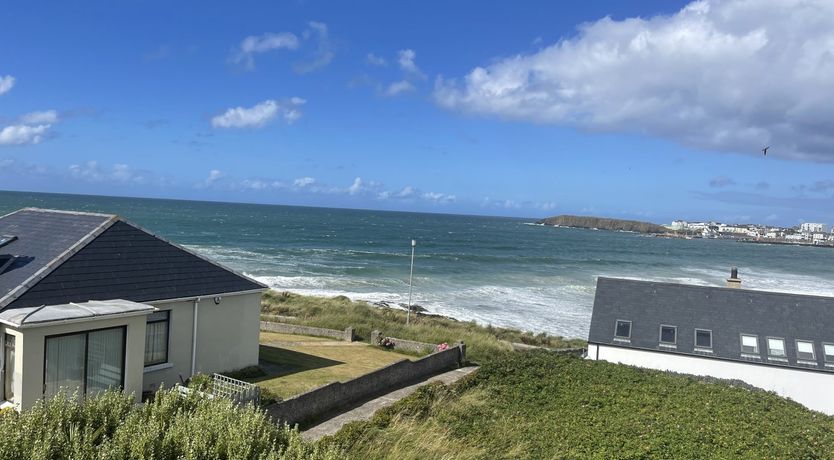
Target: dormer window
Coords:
[[622, 330], [703, 338]]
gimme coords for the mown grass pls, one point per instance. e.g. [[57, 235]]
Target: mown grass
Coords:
[[341, 312], [300, 363], [543, 405]]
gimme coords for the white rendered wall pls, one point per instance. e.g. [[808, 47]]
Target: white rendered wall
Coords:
[[809, 388]]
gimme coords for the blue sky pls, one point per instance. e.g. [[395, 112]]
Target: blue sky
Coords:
[[652, 111]]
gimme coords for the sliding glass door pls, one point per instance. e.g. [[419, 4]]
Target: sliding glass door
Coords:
[[85, 362]]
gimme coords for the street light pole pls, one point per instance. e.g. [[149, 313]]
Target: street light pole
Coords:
[[410, 278]]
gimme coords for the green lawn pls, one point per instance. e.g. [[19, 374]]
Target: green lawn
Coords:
[[542, 405], [295, 363]]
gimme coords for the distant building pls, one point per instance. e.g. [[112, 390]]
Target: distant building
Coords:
[[776, 341], [809, 227], [679, 225]]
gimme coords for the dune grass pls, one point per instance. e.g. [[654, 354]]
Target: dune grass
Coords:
[[543, 405], [341, 312], [295, 364]]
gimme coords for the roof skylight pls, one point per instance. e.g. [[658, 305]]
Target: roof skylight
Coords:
[[6, 239]]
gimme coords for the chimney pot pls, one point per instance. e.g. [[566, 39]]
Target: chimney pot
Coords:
[[734, 281]]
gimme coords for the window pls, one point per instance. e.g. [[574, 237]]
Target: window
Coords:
[[156, 338], [668, 334], [776, 347], [86, 362], [623, 329], [749, 343], [703, 338], [805, 350], [828, 352], [8, 367]]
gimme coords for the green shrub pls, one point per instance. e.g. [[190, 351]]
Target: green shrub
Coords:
[[172, 426]]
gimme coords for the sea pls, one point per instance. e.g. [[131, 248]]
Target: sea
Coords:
[[493, 270]]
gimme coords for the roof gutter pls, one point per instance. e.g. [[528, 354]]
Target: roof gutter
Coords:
[[220, 294], [74, 320]]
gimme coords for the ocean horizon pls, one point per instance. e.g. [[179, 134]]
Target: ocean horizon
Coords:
[[493, 270]]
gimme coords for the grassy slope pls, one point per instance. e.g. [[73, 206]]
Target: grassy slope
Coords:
[[541, 405], [340, 312]]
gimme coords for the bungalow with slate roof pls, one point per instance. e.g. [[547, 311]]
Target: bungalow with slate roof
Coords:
[[776, 341], [90, 301]]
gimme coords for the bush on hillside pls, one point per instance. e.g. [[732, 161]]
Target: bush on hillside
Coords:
[[172, 426]]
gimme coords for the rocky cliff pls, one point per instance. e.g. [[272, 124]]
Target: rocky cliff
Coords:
[[603, 223]]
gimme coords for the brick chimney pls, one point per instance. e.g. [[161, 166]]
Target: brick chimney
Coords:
[[734, 281]]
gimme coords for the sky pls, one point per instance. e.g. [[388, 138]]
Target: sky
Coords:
[[656, 110]]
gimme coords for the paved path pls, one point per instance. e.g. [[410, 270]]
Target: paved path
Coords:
[[367, 410]]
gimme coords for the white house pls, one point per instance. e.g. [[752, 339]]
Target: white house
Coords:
[[776, 341], [90, 301]]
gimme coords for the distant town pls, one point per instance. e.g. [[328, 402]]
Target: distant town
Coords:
[[807, 233]]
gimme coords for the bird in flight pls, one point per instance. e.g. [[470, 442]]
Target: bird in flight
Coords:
[[764, 150]]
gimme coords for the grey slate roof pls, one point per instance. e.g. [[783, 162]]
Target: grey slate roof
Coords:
[[77, 257], [728, 313]]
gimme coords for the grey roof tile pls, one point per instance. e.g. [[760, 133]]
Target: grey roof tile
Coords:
[[119, 260]]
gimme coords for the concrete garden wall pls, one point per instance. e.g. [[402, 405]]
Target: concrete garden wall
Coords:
[[347, 335]]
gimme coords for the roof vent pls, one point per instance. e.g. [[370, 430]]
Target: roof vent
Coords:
[[734, 281], [6, 239]]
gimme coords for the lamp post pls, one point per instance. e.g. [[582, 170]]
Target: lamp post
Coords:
[[410, 278]]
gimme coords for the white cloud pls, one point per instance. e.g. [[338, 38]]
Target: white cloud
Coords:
[[259, 114], [241, 117], [302, 182], [356, 187], [214, 176], [22, 134], [399, 87], [406, 60], [324, 51], [6, 84], [91, 171], [38, 118], [253, 44], [375, 60], [722, 75], [439, 198], [261, 184]]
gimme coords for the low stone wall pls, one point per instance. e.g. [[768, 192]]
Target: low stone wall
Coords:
[[405, 345], [315, 403], [347, 335]]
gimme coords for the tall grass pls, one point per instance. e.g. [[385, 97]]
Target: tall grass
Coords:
[[111, 426], [340, 312]]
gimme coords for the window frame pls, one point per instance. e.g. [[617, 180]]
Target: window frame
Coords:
[[695, 338], [826, 355], [660, 335], [741, 343], [167, 337], [616, 326], [784, 354], [813, 350], [86, 333]]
